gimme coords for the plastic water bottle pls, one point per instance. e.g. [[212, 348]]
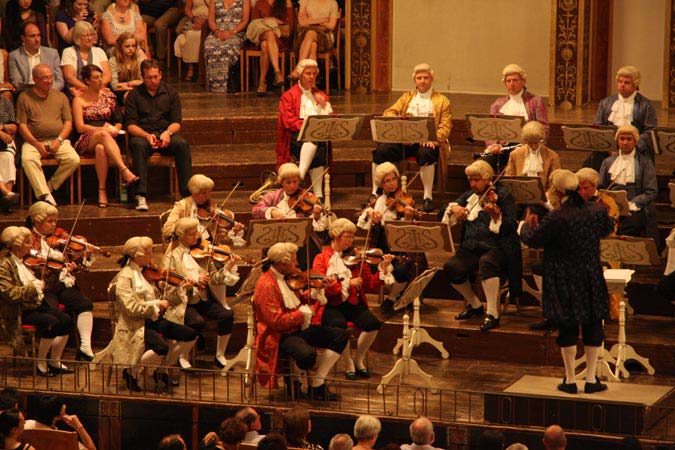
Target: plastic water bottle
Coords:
[[123, 192]]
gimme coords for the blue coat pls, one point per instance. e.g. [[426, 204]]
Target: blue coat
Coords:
[[645, 182], [644, 119]]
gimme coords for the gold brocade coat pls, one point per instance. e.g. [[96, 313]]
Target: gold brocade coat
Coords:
[[442, 115], [14, 298]]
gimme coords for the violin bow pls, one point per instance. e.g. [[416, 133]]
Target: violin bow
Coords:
[[492, 185], [365, 250], [65, 248], [611, 185], [304, 194]]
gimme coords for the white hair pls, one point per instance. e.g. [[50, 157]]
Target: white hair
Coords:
[[199, 183], [14, 236], [588, 174], [304, 64], [512, 69], [367, 427], [136, 246], [282, 252], [631, 72], [532, 132], [39, 211], [340, 226], [423, 67], [286, 171], [479, 168], [384, 169], [184, 224]]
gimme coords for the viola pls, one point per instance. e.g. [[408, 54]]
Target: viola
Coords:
[[220, 253], [304, 201], [34, 260], [399, 200], [223, 218], [372, 256], [299, 280], [76, 243], [154, 274]]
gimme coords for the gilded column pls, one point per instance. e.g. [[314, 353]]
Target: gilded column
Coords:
[[368, 47], [669, 59]]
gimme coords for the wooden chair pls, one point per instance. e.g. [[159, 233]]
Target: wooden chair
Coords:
[[255, 52], [409, 166], [158, 160], [27, 196], [84, 162], [51, 439]]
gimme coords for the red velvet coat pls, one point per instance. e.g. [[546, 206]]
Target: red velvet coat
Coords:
[[272, 320], [289, 121], [371, 283]]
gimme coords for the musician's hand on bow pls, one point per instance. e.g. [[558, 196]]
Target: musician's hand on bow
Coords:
[[356, 282], [320, 99], [70, 267], [428, 144], [460, 212], [377, 217], [409, 212], [187, 283], [387, 259], [276, 214], [532, 220], [494, 149], [316, 212], [237, 227], [494, 211], [163, 305]]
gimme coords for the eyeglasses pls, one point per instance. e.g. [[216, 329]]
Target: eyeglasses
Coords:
[[89, 35], [46, 77]]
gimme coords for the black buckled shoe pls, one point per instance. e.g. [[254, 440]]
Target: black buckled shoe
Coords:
[[60, 370], [363, 373], [470, 313], [428, 205], [570, 388], [45, 373], [489, 323], [591, 388], [350, 376], [322, 394]]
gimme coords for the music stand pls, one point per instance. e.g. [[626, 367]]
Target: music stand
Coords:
[[406, 366], [665, 140], [397, 130], [525, 190], [621, 199], [597, 138], [338, 127], [246, 355], [486, 127]]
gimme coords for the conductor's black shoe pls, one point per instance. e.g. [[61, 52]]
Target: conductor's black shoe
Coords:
[[363, 373], [590, 388], [544, 325], [489, 323], [428, 205], [321, 393], [570, 388], [470, 313], [387, 306]]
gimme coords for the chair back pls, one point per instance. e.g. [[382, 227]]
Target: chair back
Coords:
[[51, 439]]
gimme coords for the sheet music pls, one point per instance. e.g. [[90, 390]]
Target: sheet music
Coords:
[[331, 128], [586, 137], [402, 130]]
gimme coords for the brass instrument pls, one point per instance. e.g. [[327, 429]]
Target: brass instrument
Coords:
[[268, 179]]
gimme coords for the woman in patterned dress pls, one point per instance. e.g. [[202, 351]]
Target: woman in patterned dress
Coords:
[[120, 18], [98, 121], [227, 22]]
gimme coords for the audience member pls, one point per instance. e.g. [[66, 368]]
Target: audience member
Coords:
[[125, 66], [517, 446], [422, 435], [227, 21], [273, 441], [11, 429], [83, 52], [252, 420], [122, 18], [554, 438], [366, 430], [161, 15], [6, 88], [45, 122], [73, 11], [8, 198], [188, 41], [172, 442], [491, 440], [297, 425], [231, 433], [17, 13], [51, 410], [23, 60], [316, 21], [99, 121], [341, 441], [153, 119], [9, 399]]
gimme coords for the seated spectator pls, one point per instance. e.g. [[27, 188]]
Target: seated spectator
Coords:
[[517, 446], [222, 45], [252, 420], [6, 87], [8, 198], [554, 438], [297, 426], [161, 15], [634, 173], [316, 22], [81, 53], [9, 399], [45, 122], [231, 433], [341, 441], [270, 29], [172, 442], [125, 66], [188, 41], [11, 429], [422, 435], [491, 440], [366, 430], [273, 441], [122, 18], [153, 119], [72, 12], [17, 13], [51, 410], [30, 54], [99, 121]]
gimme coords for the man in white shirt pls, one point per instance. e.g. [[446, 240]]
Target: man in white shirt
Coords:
[[30, 54]]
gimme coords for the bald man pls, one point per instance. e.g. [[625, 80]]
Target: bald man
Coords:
[[422, 435], [554, 438]]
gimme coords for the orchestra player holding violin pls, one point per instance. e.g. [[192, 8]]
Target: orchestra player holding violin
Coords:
[[198, 205], [140, 337], [489, 244], [283, 322], [393, 204], [60, 286], [22, 302], [346, 295], [206, 296]]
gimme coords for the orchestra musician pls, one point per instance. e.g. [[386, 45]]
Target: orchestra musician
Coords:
[[205, 296], [22, 302], [373, 219], [533, 158], [60, 286], [575, 291], [423, 101], [634, 173], [588, 189], [200, 187], [278, 205], [489, 244], [297, 103], [140, 337], [346, 295], [283, 321], [517, 102]]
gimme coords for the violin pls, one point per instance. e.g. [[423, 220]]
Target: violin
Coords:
[[154, 274], [303, 201], [220, 253], [34, 260], [399, 200], [299, 281], [76, 243], [370, 256], [223, 218], [490, 197]]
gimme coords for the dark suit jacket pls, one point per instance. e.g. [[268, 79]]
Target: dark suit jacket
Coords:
[[19, 69]]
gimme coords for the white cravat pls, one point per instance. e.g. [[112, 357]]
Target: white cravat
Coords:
[[291, 300], [622, 110], [534, 163], [336, 266], [421, 105], [309, 105], [515, 106], [26, 276], [283, 207], [365, 222], [193, 270], [623, 169]]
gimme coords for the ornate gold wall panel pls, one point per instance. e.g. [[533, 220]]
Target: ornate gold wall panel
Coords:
[[669, 62]]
